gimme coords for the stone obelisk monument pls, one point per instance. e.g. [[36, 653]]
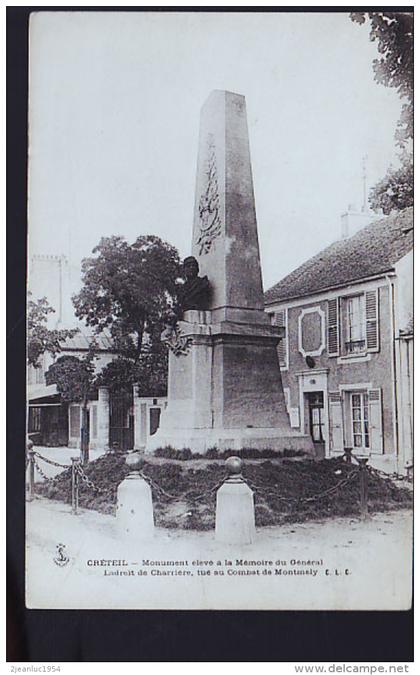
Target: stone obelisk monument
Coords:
[[224, 387]]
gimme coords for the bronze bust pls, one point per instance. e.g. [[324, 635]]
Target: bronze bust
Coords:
[[195, 293]]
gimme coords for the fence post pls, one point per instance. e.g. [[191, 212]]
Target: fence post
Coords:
[[363, 472], [75, 463], [348, 455], [31, 486]]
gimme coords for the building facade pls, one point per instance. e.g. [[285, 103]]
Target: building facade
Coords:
[[53, 422], [346, 355]]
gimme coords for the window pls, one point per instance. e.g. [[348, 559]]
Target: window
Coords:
[[356, 418], [353, 324], [34, 419], [316, 416], [360, 419], [355, 338]]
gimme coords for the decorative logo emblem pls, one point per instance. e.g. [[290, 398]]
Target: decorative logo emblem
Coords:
[[176, 341], [208, 208], [61, 559]]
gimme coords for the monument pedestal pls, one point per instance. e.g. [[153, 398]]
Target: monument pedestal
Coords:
[[226, 391]]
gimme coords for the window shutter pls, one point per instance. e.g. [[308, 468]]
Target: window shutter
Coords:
[[375, 420], [280, 320], [372, 323], [336, 422], [333, 327]]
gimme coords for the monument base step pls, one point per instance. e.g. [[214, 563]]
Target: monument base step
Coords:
[[201, 440]]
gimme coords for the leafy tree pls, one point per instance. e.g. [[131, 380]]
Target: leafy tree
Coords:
[[130, 291], [41, 339], [75, 380], [394, 34], [396, 190], [149, 373]]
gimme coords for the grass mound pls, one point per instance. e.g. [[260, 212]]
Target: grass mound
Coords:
[[285, 490], [213, 453]]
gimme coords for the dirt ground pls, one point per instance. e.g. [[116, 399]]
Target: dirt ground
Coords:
[[348, 564]]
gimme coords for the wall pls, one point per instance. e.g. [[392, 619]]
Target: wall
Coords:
[[404, 292]]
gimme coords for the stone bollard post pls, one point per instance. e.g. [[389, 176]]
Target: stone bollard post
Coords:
[[134, 503], [235, 517]]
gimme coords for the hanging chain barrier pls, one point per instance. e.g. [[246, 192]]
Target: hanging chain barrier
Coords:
[[394, 475], [86, 480], [51, 461], [78, 477], [41, 472], [269, 491], [186, 496]]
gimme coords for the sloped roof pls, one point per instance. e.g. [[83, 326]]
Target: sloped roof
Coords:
[[81, 341], [39, 391], [373, 250]]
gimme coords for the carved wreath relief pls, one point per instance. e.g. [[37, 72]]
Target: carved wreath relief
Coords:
[[176, 341], [210, 223]]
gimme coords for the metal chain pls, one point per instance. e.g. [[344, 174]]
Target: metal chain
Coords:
[[40, 471], [267, 490], [388, 476], [207, 492], [157, 487], [52, 462], [391, 476], [312, 498], [185, 496], [85, 479], [333, 489]]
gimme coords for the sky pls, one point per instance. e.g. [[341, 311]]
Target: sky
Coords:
[[114, 109]]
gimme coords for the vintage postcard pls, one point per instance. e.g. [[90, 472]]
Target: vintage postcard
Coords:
[[220, 310]]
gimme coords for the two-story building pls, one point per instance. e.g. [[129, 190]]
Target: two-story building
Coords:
[[347, 353]]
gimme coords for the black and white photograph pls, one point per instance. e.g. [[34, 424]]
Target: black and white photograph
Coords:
[[220, 323]]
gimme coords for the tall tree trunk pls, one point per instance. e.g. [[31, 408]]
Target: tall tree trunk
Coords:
[[84, 441]]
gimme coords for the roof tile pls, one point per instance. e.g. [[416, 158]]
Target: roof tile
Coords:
[[373, 250]]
